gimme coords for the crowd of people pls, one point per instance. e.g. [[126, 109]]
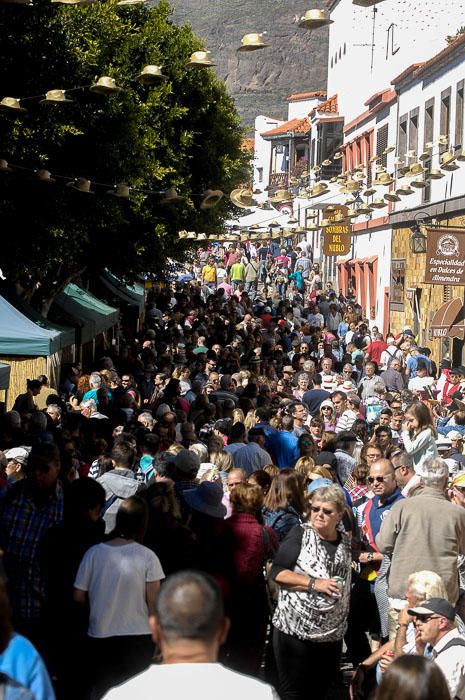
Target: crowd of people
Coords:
[[254, 493]]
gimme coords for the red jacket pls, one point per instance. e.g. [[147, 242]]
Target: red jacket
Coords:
[[247, 547]]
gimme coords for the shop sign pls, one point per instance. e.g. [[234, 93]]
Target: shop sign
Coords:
[[336, 236], [445, 256]]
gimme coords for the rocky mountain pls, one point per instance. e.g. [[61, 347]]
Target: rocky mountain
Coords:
[[260, 81]]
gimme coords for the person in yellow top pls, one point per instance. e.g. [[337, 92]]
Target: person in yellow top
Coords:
[[209, 273], [237, 274]]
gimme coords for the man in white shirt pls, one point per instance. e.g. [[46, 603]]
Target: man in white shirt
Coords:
[[435, 624], [392, 351], [190, 626], [421, 380]]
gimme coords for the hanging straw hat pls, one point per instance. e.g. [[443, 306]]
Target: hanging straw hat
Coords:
[[182, 234], [337, 155], [310, 227], [388, 149], [199, 59], [324, 223], [292, 220], [252, 42], [105, 86], [170, 196], [399, 161], [369, 192], [351, 213], [55, 97], [326, 162], [404, 190], [120, 190], [419, 183], [314, 19], [242, 198], [319, 189], [11, 104], [446, 158], [280, 196], [411, 154], [81, 184], [274, 224], [211, 199], [45, 176], [200, 236], [378, 203], [435, 174], [392, 197], [384, 179], [461, 156], [364, 209], [4, 167], [414, 170], [351, 186], [312, 215], [339, 218], [150, 75], [443, 140]]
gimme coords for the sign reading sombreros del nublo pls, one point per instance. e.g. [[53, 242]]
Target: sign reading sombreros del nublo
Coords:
[[336, 234], [445, 256]]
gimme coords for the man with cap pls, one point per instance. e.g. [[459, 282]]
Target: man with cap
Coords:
[[445, 645], [16, 460]]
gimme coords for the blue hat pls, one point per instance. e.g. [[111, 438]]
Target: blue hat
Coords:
[[318, 484]]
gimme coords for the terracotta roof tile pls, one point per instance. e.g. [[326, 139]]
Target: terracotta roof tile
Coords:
[[405, 73], [306, 95], [298, 126], [443, 55], [328, 107], [388, 97]]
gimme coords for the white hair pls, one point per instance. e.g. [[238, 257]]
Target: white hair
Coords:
[[427, 584], [89, 403], [95, 380], [146, 418], [434, 473]]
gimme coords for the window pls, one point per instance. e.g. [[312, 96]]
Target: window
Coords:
[[397, 284], [445, 117], [381, 144], [402, 138], [458, 141], [260, 174], [428, 138], [413, 130]]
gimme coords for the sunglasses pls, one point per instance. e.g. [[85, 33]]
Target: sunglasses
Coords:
[[426, 618], [320, 509], [378, 479]]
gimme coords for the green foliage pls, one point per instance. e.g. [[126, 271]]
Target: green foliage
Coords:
[[183, 132]]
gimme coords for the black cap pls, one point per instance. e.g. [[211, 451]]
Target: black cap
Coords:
[[326, 458], [458, 370], [440, 606], [446, 364]]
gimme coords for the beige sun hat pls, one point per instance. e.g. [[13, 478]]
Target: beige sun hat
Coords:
[[314, 19], [55, 97], [252, 42], [81, 184], [45, 176], [171, 196], [242, 198], [105, 86], [10, 104], [211, 198], [120, 190], [150, 75], [199, 59]]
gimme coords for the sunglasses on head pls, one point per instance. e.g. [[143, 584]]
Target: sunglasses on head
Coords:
[[320, 509], [378, 479]]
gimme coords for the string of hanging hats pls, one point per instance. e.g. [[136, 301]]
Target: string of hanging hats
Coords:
[[208, 199]]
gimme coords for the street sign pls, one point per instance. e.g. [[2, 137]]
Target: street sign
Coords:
[[336, 237]]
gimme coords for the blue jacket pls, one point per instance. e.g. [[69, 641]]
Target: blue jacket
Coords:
[[281, 521], [22, 662]]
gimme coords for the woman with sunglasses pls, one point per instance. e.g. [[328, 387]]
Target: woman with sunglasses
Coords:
[[313, 570]]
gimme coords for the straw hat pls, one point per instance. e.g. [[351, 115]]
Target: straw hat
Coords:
[[449, 167], [200, 236], [349, 201], [337, 155], [316, 169], [324, 223], [339, 218], [213, 237], [292, 220], [11, 104], [120, 190], [415, 169], [280, 196], [392, 197], [443, 140], [105, 86], [182, 234], [244, 237], [170, 196], [384, 179], [242, 198], [461, 156], [326, 162], [311, 227], [369, 192], [351, 186], [435, 174], [388, 149], [4, 167], [426, 155], [419, 183], [254, 227], [398, 161], [447, 158], [151, 75], [404, 190], [275, 235], [378, 203], [274, 224], [45, 176], [319, 189], [312, 215], [211, 199], [364, 209], [411, 154], [55, 96], [199, 59], [80, 184], [252, 42], [314, 19], [351, 213]]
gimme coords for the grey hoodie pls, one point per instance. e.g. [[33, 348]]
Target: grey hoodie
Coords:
[[119, 484]]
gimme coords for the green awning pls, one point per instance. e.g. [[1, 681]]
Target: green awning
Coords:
[[133, 295], [4, 376], [91, 315], [21, 336], [67, 334]]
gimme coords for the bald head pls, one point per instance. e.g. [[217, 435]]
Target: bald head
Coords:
[[382, 478], [189, 607]]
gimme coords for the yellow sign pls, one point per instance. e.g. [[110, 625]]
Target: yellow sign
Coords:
[[336, 236]]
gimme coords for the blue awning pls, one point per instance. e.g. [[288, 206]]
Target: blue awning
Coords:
[[133, 295], [21, 336], [79, 307]]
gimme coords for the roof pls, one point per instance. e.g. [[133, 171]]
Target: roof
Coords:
[[21, 336], [387, 98], [298, 126], [248, 145], [91, 315], [306, 95], [442, 56], [405, 73], [328, 107], [132, 295]]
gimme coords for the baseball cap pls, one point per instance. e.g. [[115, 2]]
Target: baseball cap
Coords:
[[454, 435], [18, 454], [318, 484], [440, 606], [326, 458]]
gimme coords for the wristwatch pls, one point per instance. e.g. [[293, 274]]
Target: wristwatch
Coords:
[[370, 556], [311, 585], [400, 624]]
